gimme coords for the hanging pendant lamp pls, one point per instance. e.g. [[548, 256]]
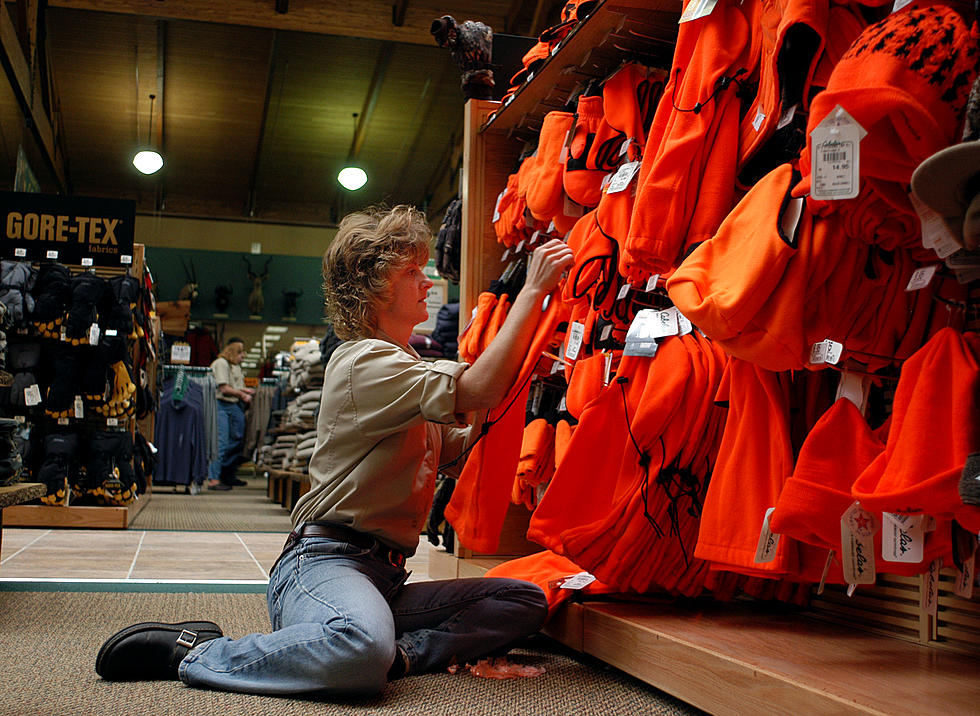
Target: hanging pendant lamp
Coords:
[[148, 160]]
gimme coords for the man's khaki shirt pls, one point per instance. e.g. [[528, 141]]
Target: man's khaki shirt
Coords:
[[226, 373], [387, 421]]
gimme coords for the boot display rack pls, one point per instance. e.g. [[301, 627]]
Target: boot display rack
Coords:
[[86, 515]]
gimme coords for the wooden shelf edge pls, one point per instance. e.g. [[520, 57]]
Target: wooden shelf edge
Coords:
[[72, 517]]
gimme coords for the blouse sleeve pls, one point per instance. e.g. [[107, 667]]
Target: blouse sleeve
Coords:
[[391, 390]]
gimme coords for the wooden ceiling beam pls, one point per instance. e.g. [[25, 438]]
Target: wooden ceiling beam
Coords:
[[329, 17], [371, 100], [250, 209]]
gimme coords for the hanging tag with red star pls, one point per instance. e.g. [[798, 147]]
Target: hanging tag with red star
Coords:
[[857, 530]]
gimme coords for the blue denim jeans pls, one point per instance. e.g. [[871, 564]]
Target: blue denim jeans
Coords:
[[231, 434], [337, 613]]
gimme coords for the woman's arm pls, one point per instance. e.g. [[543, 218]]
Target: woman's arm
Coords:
[[486, 382]]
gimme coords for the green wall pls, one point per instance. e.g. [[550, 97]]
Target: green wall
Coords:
[[216, 268]]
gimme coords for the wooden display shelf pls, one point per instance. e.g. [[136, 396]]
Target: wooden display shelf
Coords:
[[737, 658], [72, 517], [286, 486], [616, 30]]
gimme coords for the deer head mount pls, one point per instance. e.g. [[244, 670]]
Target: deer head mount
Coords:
[[290, 299], [222, 298], [189, 291], [256, 301]]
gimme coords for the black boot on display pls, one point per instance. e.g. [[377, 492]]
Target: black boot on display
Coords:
[[151, 650]]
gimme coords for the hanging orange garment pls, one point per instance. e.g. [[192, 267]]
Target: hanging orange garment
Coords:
[[792, 40], [754, 460], [469, 340], [563, 435], [536, 464], [482, 495], [935, 424], [505, 214], [543, 569], [578, 492], [688, 187], [581, 181], [724, 284], [495, 321], [629, 101], [546, 195], [646, 536]]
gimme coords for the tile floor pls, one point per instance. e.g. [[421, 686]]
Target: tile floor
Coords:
[[115, 555]]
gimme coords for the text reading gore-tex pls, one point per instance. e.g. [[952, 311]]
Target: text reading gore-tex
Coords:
[[49, 227], [69, 229]]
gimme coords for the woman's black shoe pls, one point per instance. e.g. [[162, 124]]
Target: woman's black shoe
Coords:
[[151, 650]]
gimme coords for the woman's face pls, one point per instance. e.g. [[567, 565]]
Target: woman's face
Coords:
[[404, 305]]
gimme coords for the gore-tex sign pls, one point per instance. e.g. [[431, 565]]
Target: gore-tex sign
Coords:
[[68, 229]]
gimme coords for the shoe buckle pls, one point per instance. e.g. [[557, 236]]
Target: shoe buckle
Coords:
[[187, 638]]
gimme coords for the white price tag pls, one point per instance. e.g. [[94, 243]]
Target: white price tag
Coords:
[[964, 259], [51, 254], [758, 119], [576, 331], [623, 291], [94, 332], [578, 581], [88, 262], [79, 407], [112, 422], [62, 421], [902, 538], [623, 176], [640, 339], [787, 116], [929, 600], [180, 353], [20, 253], [126, 259], [835, 156], [607, 360], [606, 332], [496, 207], [826, 351], [625, 146], [32, 395], [965, 276], [899, 4], [520, 246], [921, 277], [934, 230], [111, 332], [765, 551], [966, 577], [665, 323], [696, 9], [684, 325], [857, 529], [64, 332], [652, 283]]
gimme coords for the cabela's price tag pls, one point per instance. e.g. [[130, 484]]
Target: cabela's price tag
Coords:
[[835, 156], [857, 529]]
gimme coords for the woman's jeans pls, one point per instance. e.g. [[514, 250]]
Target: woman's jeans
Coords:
[[338, 611], [231, 436]]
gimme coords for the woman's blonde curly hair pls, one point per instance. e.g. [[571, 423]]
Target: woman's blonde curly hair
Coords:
[[369, 246]]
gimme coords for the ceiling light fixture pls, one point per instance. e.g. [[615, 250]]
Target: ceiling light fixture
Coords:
[[148, 161], [352, 177]]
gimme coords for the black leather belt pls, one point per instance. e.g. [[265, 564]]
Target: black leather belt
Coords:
[[340, 533]]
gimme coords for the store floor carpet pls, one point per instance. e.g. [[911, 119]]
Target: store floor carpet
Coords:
[[49, 640], [243, 509]]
